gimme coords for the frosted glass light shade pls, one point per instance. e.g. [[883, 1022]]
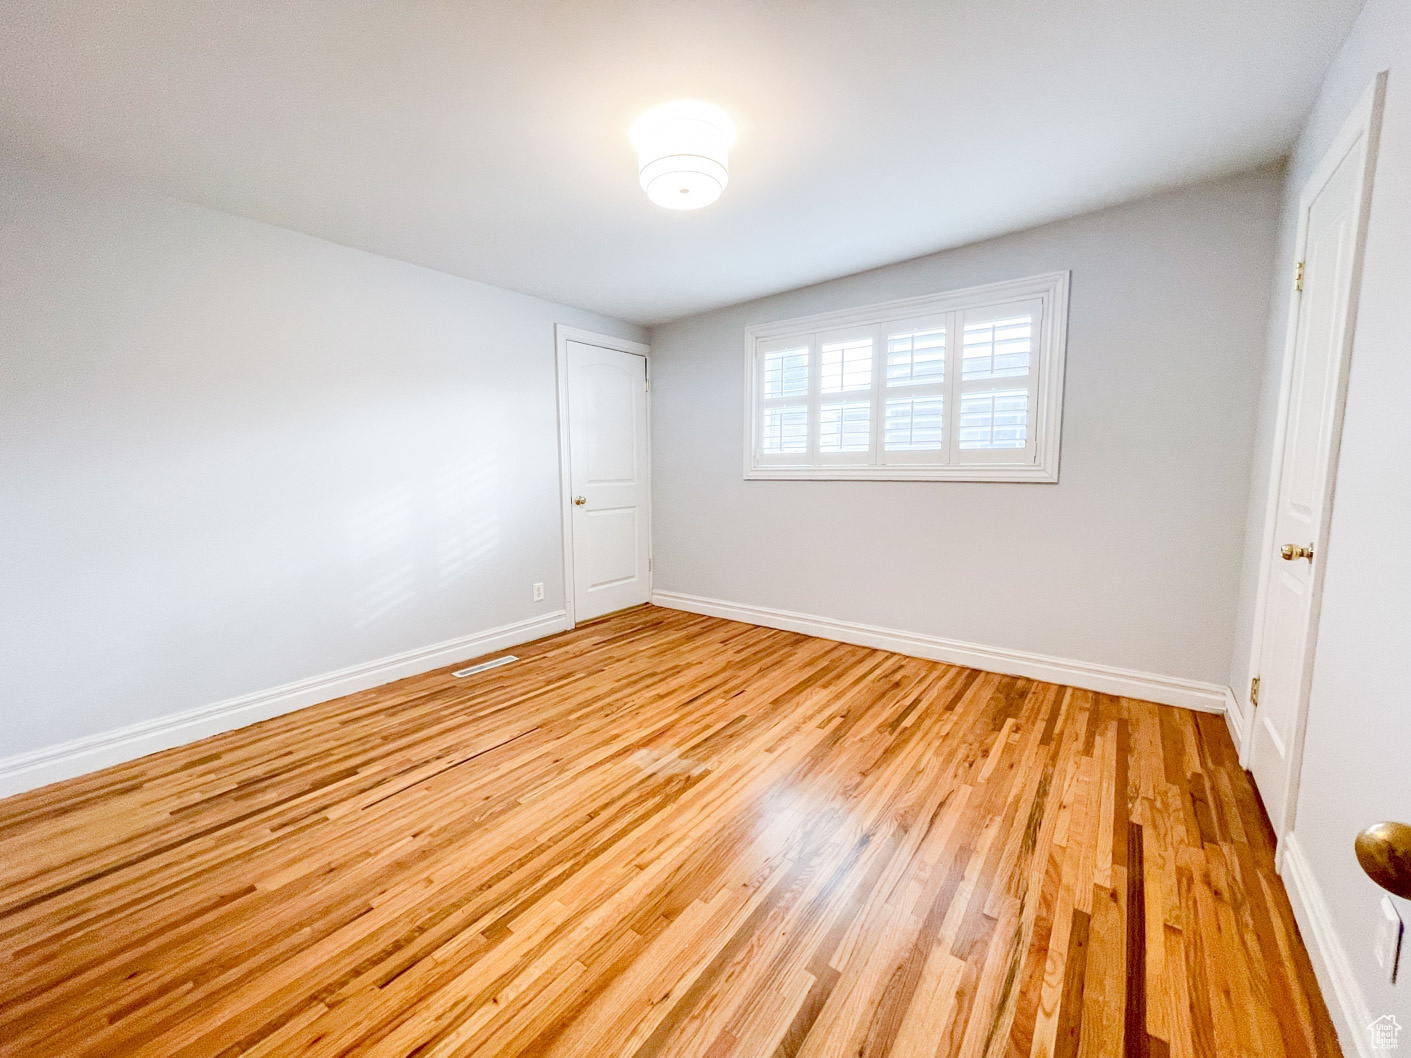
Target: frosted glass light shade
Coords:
[[683, 153]]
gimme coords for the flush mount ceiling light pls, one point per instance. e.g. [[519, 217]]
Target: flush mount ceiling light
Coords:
[[682, 153]]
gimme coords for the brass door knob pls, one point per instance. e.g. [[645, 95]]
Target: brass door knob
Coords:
[[1384, 851], [579, 501], [1293, 551]]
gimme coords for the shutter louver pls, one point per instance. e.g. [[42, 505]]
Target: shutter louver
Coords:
[[999, 349], [915, 424], [994, 420], [786, 429]]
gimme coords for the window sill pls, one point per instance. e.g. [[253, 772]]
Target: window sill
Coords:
[[992, 473]]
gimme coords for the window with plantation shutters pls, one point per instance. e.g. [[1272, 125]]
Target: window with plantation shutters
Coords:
[[962, 386]]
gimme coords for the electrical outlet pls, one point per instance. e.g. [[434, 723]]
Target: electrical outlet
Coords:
[[1387, 946], [538, 593]]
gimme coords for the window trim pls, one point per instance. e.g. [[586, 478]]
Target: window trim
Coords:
[[1048, 372]]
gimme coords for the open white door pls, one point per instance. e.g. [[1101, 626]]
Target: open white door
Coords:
[[1331, 233], [609, 522]]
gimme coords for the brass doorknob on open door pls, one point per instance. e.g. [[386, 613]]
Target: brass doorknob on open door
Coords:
[[1293, 551], [579, 501], [1384, 851]]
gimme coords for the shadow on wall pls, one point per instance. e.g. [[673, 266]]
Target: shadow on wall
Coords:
[[384, 536]]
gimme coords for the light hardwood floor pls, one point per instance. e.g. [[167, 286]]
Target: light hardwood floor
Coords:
[[663, 834]]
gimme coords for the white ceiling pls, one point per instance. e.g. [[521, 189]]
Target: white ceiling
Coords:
[[488, 138]]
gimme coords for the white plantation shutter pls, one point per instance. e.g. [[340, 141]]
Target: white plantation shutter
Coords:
[[964, 386], [784, 372], [997, 386], [845, 396], [914, 406]]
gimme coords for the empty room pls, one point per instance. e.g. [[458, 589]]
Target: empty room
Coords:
[[684, 529]]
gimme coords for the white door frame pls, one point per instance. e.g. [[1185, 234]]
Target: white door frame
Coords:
[[1365, 122], [562, 336]]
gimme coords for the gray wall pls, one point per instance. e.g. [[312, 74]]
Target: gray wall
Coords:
[[1132, 559], [1355, 766], [232, 456]]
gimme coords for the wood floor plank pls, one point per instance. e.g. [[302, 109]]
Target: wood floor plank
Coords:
[[669, 835]]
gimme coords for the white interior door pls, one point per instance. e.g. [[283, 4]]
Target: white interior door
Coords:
[[1332, 210], [611, 523]]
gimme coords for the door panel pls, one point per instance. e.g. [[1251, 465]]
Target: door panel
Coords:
[[611, 551], [607, 416], [1304, 480], [608, 394]]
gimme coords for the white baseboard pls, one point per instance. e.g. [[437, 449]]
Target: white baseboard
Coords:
[[1168, 690], [1348, 1007], [65, 760]]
